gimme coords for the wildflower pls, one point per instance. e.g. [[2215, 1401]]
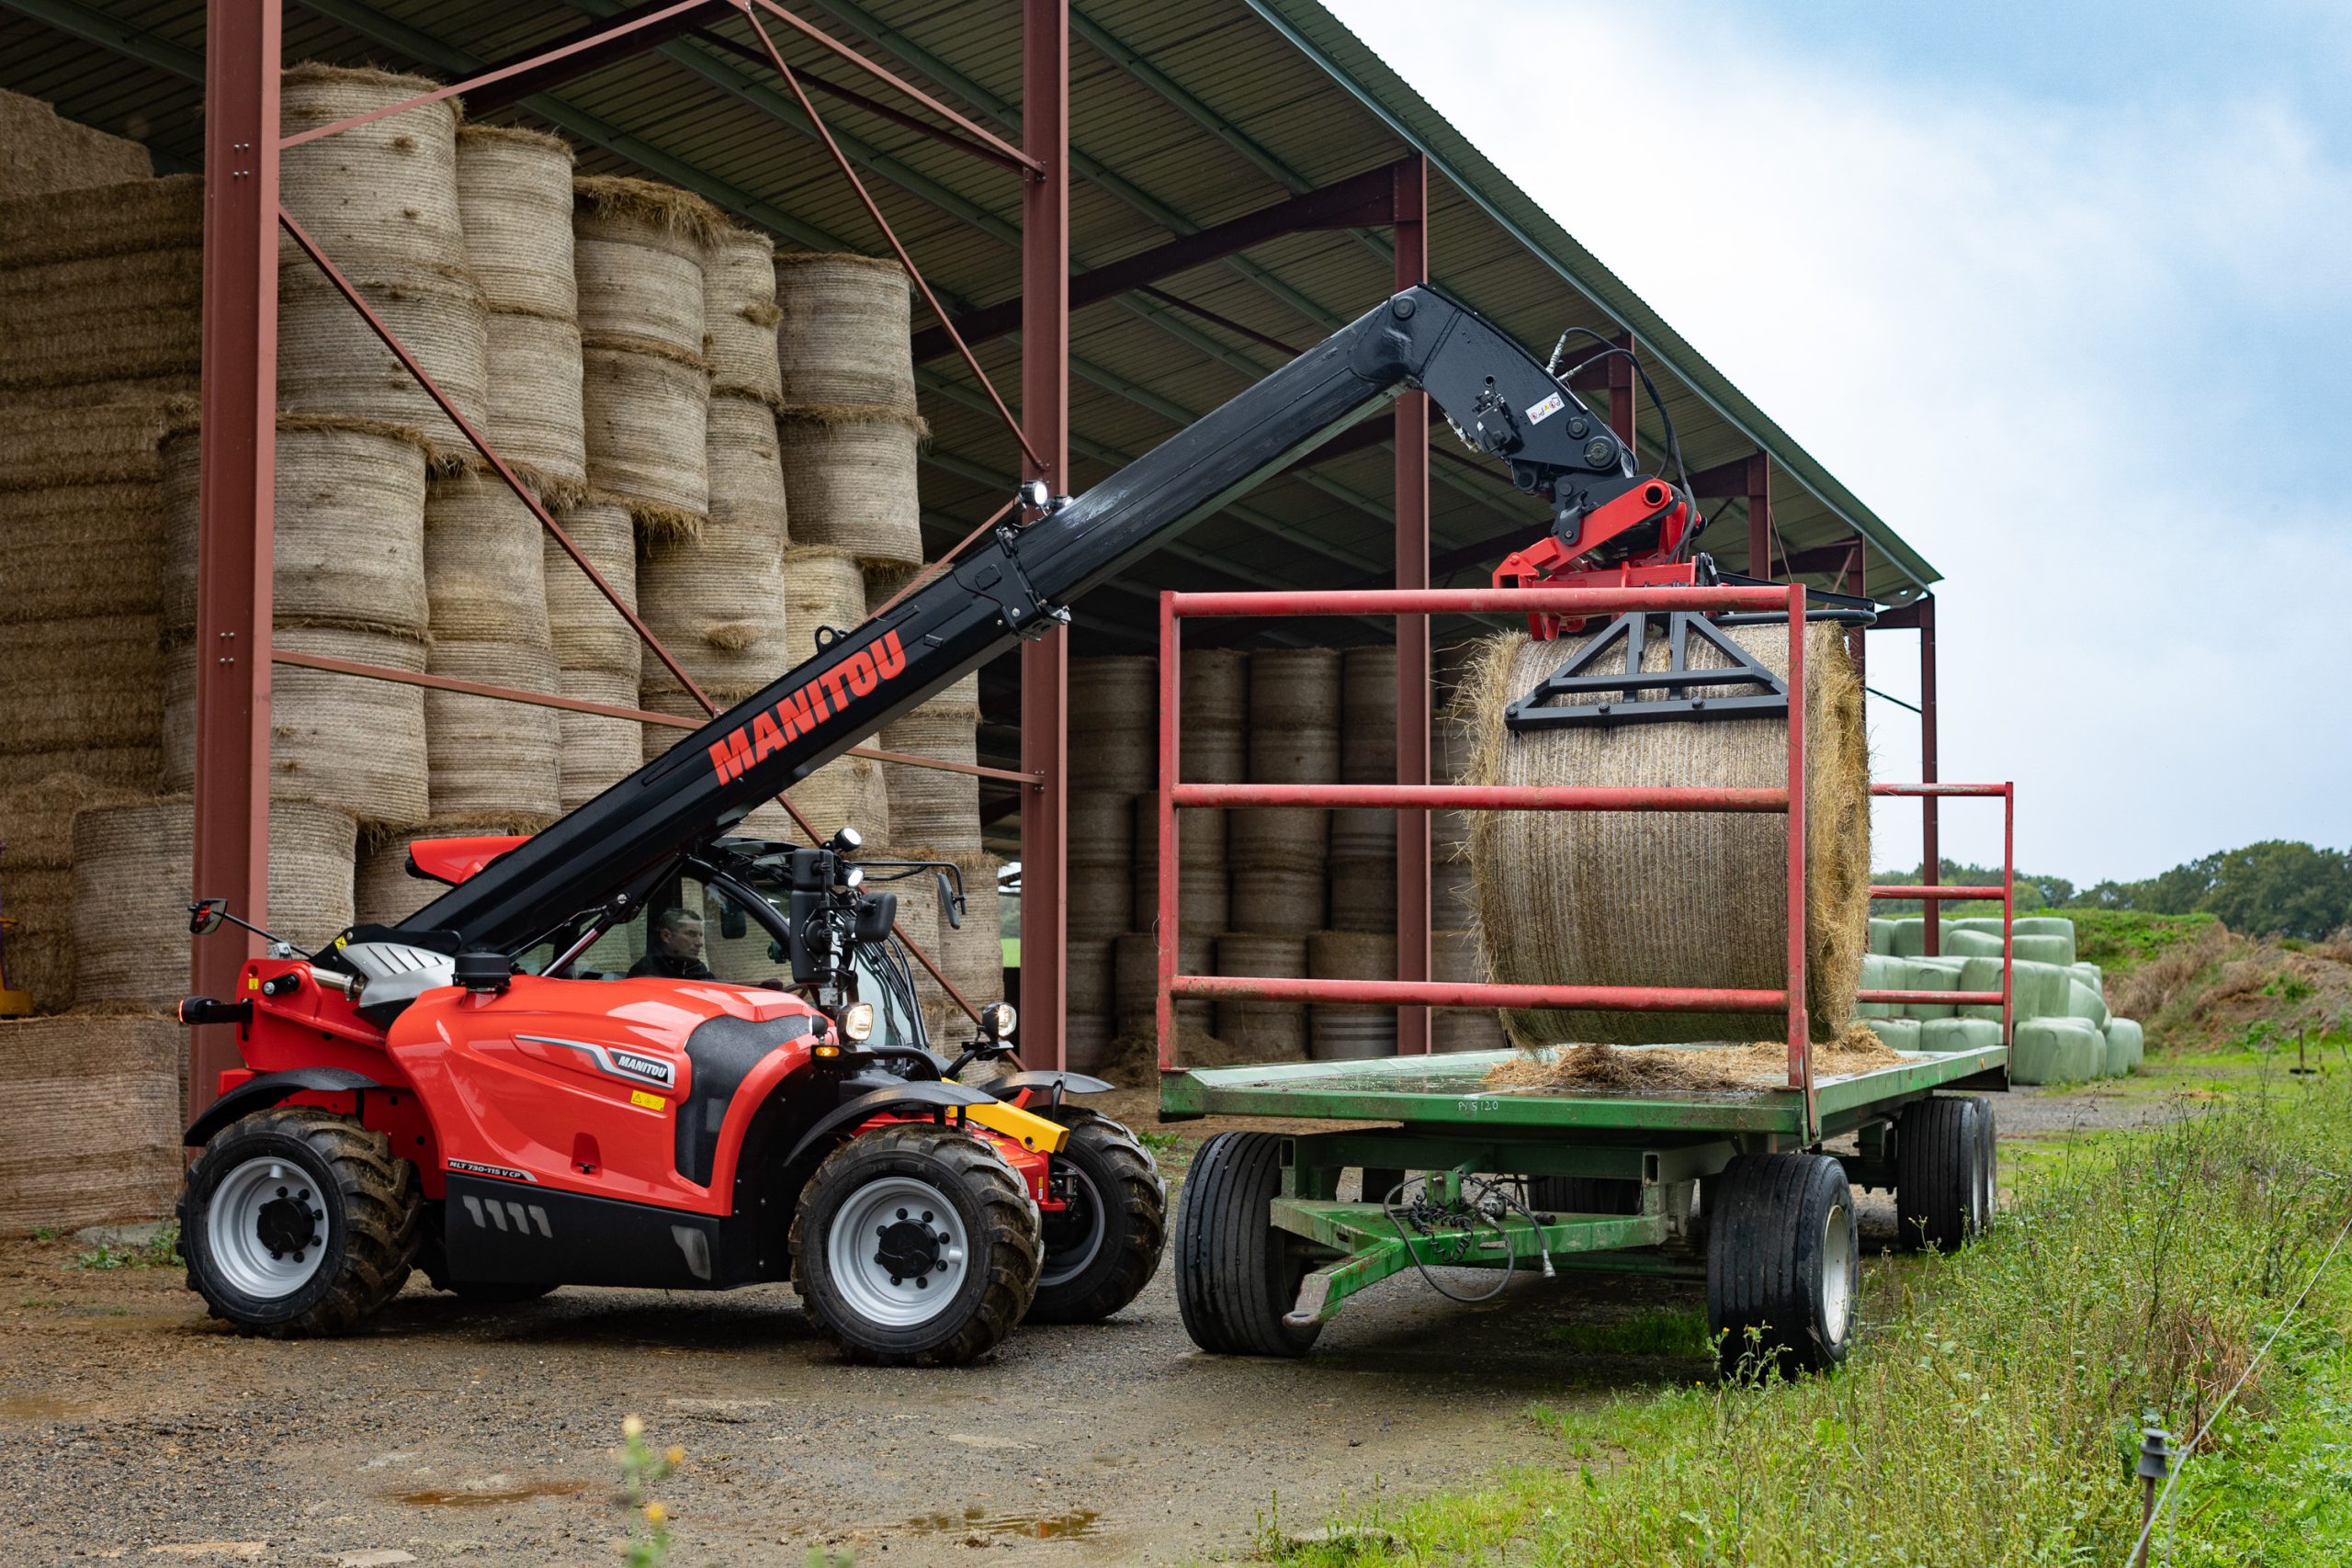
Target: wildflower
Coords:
[[632, 1427], [676, 1456], [655, 1513]]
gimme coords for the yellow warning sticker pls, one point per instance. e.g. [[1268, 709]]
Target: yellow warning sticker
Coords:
[[253, 982], [650, 1101]]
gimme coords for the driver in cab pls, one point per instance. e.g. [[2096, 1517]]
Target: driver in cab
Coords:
[[676, 951]]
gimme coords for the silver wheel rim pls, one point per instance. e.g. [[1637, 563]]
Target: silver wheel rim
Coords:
[[266, 1229], [1067, 1265], [897, 1252], [1838, 1274]]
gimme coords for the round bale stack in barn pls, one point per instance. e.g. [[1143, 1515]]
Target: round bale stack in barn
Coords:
[[515, 197], [847, 415], [1281, 854]]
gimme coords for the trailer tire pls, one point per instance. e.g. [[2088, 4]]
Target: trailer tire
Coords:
[[1943, 1175], [1783, 1264], [1584, 1195], [296, 1223], [1101, 1254], [988, 1258], [1236, 1276]]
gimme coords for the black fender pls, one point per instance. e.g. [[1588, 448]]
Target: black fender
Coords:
[[259, 1094], [1052, 1083], [918, 1096]]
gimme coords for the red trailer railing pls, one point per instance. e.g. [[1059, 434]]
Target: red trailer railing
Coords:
[[1789, 801], [1933, 894]]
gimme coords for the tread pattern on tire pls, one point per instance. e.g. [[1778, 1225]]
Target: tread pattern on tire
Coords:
[[1939, 1154], [1137, 1192], [1756, 1255], [382, 1216], [1010, 1239], [1233, 1276]]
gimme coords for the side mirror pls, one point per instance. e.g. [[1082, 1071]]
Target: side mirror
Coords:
[[950, 904], [204, 916]]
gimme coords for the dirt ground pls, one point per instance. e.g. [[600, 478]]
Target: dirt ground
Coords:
[[140, 1429]]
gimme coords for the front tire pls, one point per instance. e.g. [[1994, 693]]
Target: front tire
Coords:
[[1104, 1249], [915, 1245], [1236, 1275], [298, 1223]]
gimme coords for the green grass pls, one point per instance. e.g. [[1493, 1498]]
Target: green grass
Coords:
[[1657, 1332], [2119, 940], [164, 1252], [1993, 1402]]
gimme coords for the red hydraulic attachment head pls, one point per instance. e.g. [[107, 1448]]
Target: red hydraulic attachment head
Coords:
[[1653, 564], [451, 861]]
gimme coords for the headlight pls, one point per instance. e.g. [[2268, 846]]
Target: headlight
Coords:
[[997, 1020], [858, 1020], [854, 877]]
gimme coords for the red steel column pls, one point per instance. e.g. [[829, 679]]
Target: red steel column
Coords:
[[1930, 850], [1759, 516], [1409, 222], [237, 497], [1045, 419]]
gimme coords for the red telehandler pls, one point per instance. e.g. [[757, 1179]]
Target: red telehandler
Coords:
[[472, 1091]]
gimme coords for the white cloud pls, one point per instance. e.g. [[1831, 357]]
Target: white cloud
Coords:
[[2044, 342]]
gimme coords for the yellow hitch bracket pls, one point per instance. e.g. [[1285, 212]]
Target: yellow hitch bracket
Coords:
[[1023, 1127]]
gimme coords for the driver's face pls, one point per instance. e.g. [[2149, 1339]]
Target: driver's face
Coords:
[[682, 939]]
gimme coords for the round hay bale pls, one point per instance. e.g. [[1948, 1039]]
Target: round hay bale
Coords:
[[1340, 1031], [882, 580], [1294, 715], [931, 806], [37, 819], [845, 793], [1368, 714], [1201, 896], [329, 362], [383, 194], [47, 446], [483, 575], [80, 549], [647, 415], [1099, 864], [716, 598], [486, 757], [536, 419], [596, 752], [340, 740], [587, 632], [1364, 870], [974, 951], [108, 319], [40, 898], [93, 1108], [822, 587], [348, 530], [1618, 899], [384, 893], [131, 868], [1090, 1017], [843, 332], [1135, 979], [1453, 955], [514, 196], [850, 469], [84, 686], [739, 314], [1258, 1029], [1214, 698], [1279, 855], [1120, 699], [636, 257], [129, 216]]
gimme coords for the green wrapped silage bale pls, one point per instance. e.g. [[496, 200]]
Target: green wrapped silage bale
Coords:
[[2090, 975], [1910, 936], [1972, 944], [1897, 1033], [2040, 948], [1930, 974], [2085, 1001], [2041, 990], [1879, 973], [1988, 925], [1881, 936], [2057, 1050], [1944, 1034], [2126, 1046]]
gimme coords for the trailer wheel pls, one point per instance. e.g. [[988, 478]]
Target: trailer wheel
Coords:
[[296, 1223], [1584, 1195], [1104, 1249], [1944, 1171], [1236, 1274], [914, 1243], [1783, 1264]]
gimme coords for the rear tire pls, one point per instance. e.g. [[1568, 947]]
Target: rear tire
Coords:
[[1943, 1177], [1236, 1276], [298, 1222], [1102, 1252], [915, 1245], [1783, 1264]]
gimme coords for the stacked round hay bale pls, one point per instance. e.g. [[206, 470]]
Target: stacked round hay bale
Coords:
[[598, 654], [1135, 984], [1349, 1032], [1454, 934], [1202, 903], [36, 878], [1258, 1029], [1281, 855], [381, 200], [515, 198], [933, 809], [1623, 898], [1119, 763], [1363, 841], [847, 417], [823, 587], [973, 953], [131, 867], [103, 291], [92, 1109]]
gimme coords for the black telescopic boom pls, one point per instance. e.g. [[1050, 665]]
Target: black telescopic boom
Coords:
[[1016, 583]]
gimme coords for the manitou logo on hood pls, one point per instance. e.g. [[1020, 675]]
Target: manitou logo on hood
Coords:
[[804, 709]]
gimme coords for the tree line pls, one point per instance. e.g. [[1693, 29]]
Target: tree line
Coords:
[[2277, 887]]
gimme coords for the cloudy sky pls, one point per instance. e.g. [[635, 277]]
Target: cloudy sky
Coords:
[[2064, 293]]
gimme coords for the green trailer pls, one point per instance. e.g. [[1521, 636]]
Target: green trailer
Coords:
[[1544, 1178]]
